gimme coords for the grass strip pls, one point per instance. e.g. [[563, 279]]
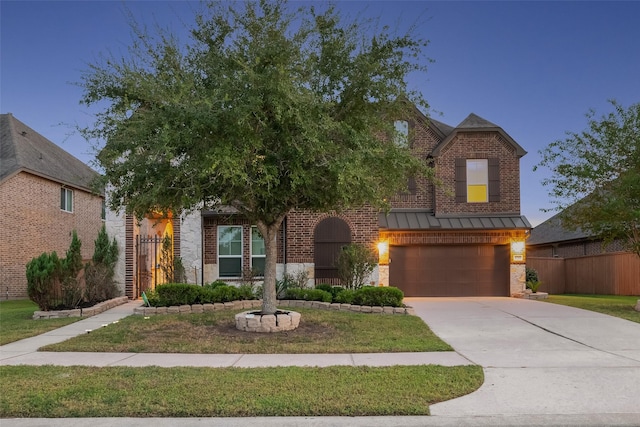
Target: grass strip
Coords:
[[613, 305], [320, 331], [16, 318], [53, 392]]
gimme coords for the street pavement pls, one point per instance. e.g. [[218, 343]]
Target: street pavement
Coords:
[[544, 364]]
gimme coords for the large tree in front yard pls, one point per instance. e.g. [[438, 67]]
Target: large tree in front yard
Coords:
[[596, 176], [265, 109]]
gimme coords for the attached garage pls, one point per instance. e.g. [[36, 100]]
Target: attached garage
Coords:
[[450, 270]]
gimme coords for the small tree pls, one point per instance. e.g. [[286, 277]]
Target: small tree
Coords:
[[268, 108], [43, 277], [355, 263], [596, 176], [72, 292], [100, 272]]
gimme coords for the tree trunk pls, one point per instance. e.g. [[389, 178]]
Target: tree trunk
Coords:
[[269, 296]]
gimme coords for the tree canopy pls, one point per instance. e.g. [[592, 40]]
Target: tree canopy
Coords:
[[596, 176], [266, 109]]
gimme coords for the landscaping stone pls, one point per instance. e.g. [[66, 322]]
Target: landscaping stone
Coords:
[[208, 307], [161, 310], [252, 322], [376, 309], [81, 312], [197, 308], [638, 306]]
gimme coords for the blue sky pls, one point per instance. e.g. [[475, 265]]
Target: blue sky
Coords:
[[533, 68]]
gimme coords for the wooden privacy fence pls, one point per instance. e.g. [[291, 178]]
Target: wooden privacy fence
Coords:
[[615, 273]]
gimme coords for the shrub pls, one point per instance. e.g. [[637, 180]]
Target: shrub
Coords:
[[345, 296], [216, 284], [178, 294], [533, 285], [531, 274], [355, 263], [324, 287], [99, 283], [308, 295], [379, 296], [246, 292], [43, 279]]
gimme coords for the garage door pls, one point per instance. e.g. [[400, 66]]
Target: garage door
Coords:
[[473, 270]]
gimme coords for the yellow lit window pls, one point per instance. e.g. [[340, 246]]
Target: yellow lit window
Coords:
[[477, 181]]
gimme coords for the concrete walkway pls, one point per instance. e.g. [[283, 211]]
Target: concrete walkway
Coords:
[[544, 364]]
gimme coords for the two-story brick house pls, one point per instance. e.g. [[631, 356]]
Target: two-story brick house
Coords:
[[45, 194], [461, 237]]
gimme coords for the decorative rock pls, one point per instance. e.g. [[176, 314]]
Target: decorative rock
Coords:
[[149, 311], [399, 310], [366, 309], [410, 311], [219, 306], [638, 306], [185, 308], [355, 308], [197, 308], [376, 309], [161, 310], [208, 307], [174, 309], [335, 306], [387, 310]]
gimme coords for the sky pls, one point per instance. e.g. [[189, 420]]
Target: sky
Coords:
[[533, 68]]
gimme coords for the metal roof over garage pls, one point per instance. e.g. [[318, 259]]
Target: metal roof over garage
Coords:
[[410, 219]]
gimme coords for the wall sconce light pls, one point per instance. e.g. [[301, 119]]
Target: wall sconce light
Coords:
[[517, 252], [383, 252]]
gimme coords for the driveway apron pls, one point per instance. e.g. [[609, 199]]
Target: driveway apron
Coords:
[[538, 358]]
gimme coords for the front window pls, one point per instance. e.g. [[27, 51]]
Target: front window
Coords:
[[66, 199], [103, 215], [230, 251], [477, 181], [401, 137], [258, 252]]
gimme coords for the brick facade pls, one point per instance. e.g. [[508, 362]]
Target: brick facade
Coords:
[[478, 145], [33, 223]]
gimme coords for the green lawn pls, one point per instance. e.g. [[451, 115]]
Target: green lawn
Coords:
[[613, 305], [320, 331], [47, 391], [16, 321]]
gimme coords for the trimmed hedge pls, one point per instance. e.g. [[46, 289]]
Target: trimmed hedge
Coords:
[[378, 296], [171, 294], [308, 295]]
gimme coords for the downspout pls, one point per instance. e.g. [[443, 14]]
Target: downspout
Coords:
[[284, 244]]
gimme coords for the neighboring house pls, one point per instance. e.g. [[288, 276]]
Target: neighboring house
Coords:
[[552, 239], [464, 237], [45, 194]]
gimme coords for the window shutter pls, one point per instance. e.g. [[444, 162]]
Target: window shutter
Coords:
[[494, 180], [412, 185], [461, 180]]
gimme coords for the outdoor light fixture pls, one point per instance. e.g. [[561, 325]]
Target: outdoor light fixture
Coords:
[[517, 251], [383, 252]]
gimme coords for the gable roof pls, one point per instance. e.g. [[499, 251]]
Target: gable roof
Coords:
[[475, 123], [552, 231], [24, 150]]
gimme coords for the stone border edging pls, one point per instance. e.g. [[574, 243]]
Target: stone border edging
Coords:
[[243, 304], [81, 312]]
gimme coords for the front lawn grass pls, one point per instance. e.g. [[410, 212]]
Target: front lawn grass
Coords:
[[53, 392], [320, 331], [16, 321], [613, 305]]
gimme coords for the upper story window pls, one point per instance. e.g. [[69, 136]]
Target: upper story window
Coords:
[[477, 181], [230, 251], [401, 137], [258, 252], [66, 199]]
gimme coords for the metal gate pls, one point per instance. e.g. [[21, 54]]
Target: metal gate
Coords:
[[149, 272]]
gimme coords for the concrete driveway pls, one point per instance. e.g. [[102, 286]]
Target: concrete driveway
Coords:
[[538, 358]]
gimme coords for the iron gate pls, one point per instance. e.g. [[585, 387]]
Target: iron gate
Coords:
[[149, 272]]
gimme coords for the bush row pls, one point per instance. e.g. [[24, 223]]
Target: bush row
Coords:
[[366, 295], [171, 294]]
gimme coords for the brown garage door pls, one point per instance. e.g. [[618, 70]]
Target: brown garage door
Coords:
[[473, 270]]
